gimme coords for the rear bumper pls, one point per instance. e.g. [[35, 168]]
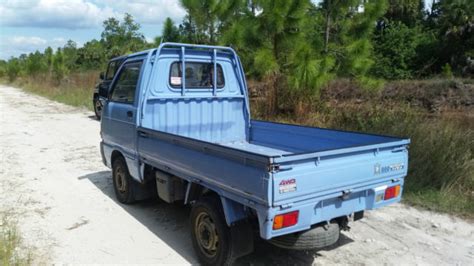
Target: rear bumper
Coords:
[[329, 207]]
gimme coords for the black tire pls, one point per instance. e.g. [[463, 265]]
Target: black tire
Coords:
[[97, 108], [123, 182], [315, 238], [211, 237]]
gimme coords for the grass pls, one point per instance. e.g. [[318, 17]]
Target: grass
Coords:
[[441, 164], [441, 167], [12, 250], [76, 89]]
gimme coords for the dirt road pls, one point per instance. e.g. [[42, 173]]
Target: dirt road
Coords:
[[52, 179]]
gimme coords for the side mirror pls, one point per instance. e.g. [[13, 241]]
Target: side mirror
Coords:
[[103, 92], [102, 75]]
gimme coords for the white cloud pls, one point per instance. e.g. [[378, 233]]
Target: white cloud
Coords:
[[59, 40], [74, 19], [76, 14], [71, 14], [26, 41], [149, 11], [149, 39], [17, 45]]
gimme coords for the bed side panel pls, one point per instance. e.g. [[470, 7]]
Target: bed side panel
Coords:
[[248, 179]]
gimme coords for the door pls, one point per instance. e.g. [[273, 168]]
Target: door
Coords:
[[118, 126], [111, 70]]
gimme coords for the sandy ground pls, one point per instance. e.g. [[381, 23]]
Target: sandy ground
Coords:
[[52, 179]]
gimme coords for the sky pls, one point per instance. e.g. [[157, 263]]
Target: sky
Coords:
[[30, 25]]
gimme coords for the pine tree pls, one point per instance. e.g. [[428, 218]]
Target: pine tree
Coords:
[[48, 55], [59, 68], [170, 32], [123, 37], [207, 18]]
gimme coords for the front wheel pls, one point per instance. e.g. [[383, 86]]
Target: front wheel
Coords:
[[97, 108], [123, 183], [210, 234]]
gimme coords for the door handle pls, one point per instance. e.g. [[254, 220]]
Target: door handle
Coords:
[[129, 113]]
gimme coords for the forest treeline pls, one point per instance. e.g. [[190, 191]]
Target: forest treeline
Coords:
[[299, 44]]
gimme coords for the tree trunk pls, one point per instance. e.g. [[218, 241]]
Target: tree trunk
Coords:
[[273, 108], [328, 26]]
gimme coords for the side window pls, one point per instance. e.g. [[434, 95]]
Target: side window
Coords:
[[111, 70], [126, 84], [198, 75]]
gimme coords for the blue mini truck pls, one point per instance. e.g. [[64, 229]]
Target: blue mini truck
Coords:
[[176, 123]]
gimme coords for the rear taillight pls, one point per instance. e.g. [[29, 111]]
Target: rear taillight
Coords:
[[285, 220], [392, 192]]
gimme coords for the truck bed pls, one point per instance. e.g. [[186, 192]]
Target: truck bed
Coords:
[[284, 140], [240, 165]]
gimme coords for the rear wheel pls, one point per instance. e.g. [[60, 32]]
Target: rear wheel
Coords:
[[210, 234], [123, 182]]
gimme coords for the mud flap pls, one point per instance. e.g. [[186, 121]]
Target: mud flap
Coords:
[[146, 190], [242, 239]]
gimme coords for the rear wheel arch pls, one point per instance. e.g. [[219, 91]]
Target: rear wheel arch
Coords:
[[198, 191], [233, 211]]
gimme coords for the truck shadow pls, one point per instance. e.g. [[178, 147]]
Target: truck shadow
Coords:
[[93, 117], [169, 222]]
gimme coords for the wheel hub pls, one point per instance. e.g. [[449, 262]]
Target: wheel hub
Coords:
[[206, 235], [98, 106], [120, 180]]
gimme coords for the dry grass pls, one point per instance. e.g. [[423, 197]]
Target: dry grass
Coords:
[[76, 89], [12, 250], [441, 170]]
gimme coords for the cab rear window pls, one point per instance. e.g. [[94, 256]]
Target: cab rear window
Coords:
[[198, 75]]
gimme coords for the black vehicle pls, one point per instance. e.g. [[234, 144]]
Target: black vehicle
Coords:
[[105, 80]]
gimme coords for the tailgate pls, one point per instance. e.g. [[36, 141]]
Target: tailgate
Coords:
[[317, 177]]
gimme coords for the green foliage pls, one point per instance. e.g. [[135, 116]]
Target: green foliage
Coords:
[[206, 19], [358, 47], [70, 54], [310, 73], [298, 44], [265, 63], [92, 55], [447, 71], [3, 68], [170, 32], [454, 22], [346, 28], [407, 12], [59, 67], [48, 56], [396, 51], [13, 69], [123, 37], [35, 64]]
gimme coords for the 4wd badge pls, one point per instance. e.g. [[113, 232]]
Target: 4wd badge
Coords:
[[287, 185]]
